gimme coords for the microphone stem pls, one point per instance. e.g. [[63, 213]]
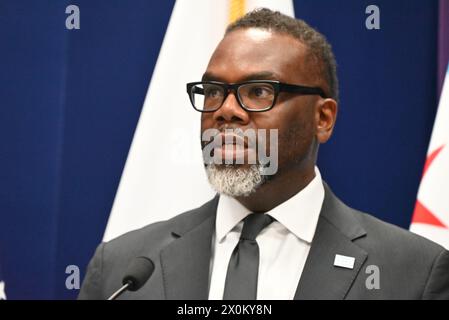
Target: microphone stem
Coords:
[[119, 291]]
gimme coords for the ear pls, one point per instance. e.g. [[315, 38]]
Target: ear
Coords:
[[326, 115]]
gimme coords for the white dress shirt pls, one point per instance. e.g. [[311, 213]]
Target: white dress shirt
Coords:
[[283, 245]]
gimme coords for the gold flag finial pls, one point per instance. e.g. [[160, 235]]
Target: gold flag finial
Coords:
[[236, 9]]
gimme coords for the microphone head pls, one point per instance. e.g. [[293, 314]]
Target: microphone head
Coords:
[[139, 271]]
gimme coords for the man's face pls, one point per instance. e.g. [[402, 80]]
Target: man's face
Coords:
[[256, 54]]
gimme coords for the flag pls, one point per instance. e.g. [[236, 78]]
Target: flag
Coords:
[[431, 215], [164, 174]]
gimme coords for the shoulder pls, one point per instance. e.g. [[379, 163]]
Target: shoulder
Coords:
[[112, 258], [389, 237], [406, 260], [155, 236], [410, 266], [378, 235]]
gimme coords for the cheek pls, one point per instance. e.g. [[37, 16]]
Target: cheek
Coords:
[[205, 124], [206, 121], [296, 137]]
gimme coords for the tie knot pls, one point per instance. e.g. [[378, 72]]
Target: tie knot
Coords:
[[253, 224]]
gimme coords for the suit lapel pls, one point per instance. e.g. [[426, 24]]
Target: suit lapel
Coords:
[[320, 278], [185, 262], [336, 230]]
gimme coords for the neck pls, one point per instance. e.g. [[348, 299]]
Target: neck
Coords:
[[282, 187]]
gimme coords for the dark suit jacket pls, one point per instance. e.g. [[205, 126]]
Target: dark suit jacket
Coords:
[[410, 267]]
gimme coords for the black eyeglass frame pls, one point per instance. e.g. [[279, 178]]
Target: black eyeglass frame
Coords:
[[277, 85]]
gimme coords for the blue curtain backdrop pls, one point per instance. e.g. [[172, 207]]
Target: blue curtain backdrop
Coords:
[[70, 101]]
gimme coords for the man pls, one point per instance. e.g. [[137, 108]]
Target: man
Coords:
[[283, 235]]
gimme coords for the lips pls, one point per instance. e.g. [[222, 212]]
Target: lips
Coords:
[[230, 139], [222, 139], [232, 148]]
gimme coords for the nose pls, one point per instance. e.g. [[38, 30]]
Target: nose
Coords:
[[231, 111]]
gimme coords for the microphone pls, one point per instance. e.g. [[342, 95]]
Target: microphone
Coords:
[[139, 271]]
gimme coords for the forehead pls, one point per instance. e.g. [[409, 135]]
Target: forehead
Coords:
[[245, 52]]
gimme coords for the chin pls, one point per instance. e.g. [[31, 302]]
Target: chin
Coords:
[[235, 180]]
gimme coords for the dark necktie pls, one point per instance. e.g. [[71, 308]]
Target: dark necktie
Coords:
[[243, 268]]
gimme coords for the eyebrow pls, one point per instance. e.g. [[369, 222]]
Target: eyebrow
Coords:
[[262, 75]]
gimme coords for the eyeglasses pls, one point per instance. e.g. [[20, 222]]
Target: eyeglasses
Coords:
[[253, 96]]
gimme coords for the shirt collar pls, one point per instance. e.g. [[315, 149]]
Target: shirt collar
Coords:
[[299, 214]]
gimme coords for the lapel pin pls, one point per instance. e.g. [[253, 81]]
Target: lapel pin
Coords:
[[344, 261]]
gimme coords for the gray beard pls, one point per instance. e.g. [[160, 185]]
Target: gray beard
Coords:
[[235, 181]]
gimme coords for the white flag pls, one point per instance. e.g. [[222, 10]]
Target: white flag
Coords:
[[2, 291], [431, 216], [164, 173]]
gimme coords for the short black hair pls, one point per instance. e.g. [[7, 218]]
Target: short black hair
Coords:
[[320, 49]]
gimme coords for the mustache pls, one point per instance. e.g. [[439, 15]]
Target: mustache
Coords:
[[219, 138]]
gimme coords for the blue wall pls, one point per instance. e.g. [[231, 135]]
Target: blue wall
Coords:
[[70, 101]]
